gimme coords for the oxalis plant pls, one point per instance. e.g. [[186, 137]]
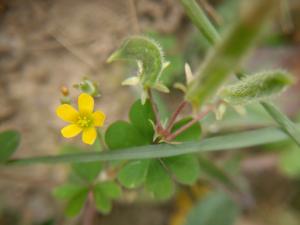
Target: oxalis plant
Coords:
[[158, 154]]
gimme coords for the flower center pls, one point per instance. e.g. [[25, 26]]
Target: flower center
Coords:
[[84, 121]]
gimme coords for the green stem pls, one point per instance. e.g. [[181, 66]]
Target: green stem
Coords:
[[101, 140], [155, 111], [200, 20], [229, 51], [284, 122], [202, 24]]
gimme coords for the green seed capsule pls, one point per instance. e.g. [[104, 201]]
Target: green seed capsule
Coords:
[[256, 87], [147, 54]]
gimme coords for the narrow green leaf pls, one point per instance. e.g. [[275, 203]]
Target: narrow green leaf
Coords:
[[9, 142], [229, 53], [122, 134], [66, 191], [133, 174], [286, 124], [103, 203], [215, 209], [76, 203], [256, 87], [141, 116], [158, 181], [110, 189], [184, 167], [218, 143], [191, 134]]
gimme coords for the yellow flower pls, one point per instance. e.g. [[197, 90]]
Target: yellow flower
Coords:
[[85, 120]]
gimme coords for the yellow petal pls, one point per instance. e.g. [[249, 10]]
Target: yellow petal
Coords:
[[99, 118], [89, 135], [67, 113], [70, 131], [85, 103]]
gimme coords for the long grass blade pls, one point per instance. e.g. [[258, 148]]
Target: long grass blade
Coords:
[[218, 143]]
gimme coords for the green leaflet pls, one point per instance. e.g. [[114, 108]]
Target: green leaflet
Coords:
[[9, 142], [256, 87], [142, 117], [185, 168], [122, 134], [133, 174], [104, 193], [76, 203], [158, 182], [149, 57], [87, 171], [67, 191]]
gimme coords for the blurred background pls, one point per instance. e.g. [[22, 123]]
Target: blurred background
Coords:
[[47, 44]]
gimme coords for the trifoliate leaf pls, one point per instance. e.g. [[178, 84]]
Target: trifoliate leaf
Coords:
[[191, 134], [141, 116], [256, 87], [158, 181], [9, 142], [184, 167], [76, 203], [133, 173], [122, 134]]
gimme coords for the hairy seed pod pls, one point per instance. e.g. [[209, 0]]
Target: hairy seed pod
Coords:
[[256, 87], [149, 57]]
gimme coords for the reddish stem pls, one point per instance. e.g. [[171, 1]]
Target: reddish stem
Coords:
[[89, 211], [175, 114], [189, 124]]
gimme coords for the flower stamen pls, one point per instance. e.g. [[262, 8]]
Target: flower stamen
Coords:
[[84, 121]]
